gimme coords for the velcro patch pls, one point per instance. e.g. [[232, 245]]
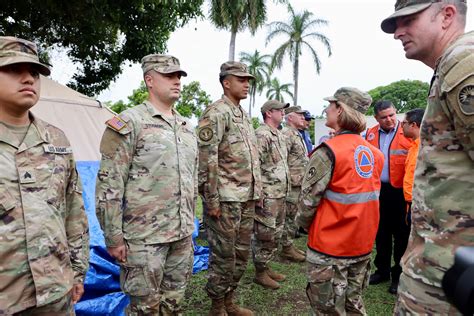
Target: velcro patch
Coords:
[[62, 150], [116, 123]]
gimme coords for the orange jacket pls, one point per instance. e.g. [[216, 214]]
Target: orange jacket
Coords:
[[410, 165], [347, 217], [397, 153]]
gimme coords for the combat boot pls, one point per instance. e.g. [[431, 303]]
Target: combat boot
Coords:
[[233, 309], [262, 278], [290, 253], [275, 275], [218, 308]]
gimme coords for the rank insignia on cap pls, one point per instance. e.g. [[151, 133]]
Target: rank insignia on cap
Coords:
[[116, 123]]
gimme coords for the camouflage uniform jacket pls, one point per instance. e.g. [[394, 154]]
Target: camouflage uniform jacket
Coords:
[[442, 209], [315, 181], [44, 239], [147, 183], [229, 167], [297, 160], [273, 162]]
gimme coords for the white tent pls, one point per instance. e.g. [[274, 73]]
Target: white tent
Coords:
[[80, 117]]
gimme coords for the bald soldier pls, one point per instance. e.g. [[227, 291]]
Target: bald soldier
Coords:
[[147, 190], [44, 239], [270, 213], [442, 208], [229, 184]]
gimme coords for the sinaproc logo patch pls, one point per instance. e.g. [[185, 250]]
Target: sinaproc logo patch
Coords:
[[364, 161]]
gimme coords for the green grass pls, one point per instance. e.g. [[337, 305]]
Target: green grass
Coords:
[[290, 299]]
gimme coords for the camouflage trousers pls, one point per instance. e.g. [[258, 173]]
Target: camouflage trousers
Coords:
[[335, 285], [290, 228], [155, 276], [267, 230], [61, 307], [418, 298], [229, 246]]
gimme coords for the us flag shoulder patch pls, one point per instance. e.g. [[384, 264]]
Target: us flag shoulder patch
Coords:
[[116, 123]]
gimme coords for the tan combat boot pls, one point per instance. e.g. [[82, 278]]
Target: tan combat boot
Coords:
[[218, 308], [290, 253], [275, 275], [262, 278], [233, 309]]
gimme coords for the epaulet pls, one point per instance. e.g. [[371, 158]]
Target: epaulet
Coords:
[[118, 124]]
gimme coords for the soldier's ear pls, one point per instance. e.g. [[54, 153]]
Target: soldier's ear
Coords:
[[148, 80]]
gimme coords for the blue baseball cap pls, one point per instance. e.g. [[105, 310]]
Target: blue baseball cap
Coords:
[[308, 116]]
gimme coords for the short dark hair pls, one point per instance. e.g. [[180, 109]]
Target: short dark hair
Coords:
[[415, 116], [382, 105], [221, 80], [264, 115]]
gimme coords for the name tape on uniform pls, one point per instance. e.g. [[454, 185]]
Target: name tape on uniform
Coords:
[[62, 150]]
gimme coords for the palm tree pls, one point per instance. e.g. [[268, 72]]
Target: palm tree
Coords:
[[259, 67], [237, 15], [297, 31], [276, 89]]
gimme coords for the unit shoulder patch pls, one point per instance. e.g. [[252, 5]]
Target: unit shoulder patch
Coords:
[[206, 133], [466, 99]]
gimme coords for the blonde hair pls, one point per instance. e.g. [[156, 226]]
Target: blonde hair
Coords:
[[350, 119]]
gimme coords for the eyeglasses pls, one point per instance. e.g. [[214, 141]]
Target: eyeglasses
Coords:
[[406, 122]]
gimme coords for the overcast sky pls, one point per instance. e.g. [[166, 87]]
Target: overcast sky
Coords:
[[363, 56]]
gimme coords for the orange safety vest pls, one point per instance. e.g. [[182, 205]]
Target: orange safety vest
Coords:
[[398, 151], [410, 165], [347, 217]]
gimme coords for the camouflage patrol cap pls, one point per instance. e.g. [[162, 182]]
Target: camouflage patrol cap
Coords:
[[235, 68], [164, 64], [352, 97], [273, 105], [404, 8], [16, 50], [295, 109]]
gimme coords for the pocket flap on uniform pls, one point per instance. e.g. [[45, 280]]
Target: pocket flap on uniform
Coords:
[[134, 280], [7, 203]]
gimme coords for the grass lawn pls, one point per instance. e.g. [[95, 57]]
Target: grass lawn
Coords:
[[290, 299]]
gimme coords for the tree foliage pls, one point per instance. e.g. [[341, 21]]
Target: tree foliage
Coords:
[[191, 102], [236, 16], [297, 32], [404, 94], [99, 35], [275, 90], [259, 67]]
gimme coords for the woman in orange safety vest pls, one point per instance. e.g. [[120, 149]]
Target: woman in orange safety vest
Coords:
[[339, 207]]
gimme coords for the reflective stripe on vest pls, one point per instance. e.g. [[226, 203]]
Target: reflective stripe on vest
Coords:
[[353, 198], [402, 152]]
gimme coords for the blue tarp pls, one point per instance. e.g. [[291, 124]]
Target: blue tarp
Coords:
[[102, 289]]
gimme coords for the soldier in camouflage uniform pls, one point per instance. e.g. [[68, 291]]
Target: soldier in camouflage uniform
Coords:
[[270, 214], [297, 160], [339, 208], [147, 191], [230, 184], [442, 207], [44, 240]]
